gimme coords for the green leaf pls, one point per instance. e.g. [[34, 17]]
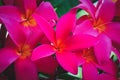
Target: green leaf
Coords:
[[79, 75], [63, 6], [113, 56], [55, 2], [81, 13], [67, 76], [44, 76], [70, 76]]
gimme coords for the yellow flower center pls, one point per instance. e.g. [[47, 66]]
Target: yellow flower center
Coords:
[[24, 51], [88, 55], [28, 20], [58, 47], [99, 25]]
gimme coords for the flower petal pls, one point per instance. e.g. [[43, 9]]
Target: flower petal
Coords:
[[103, 48], [46, 10], [7, 57], [36, 34], [27, 6], [30, 5], [107, 77], [117, 9], [99, 3], [116, 45], [44, 40], [68, 61], [42, 51], [80, 41], [25, 70], [85, 27], [113, 31], [9, 43], [88, 6], [8, 2], [46, 28], [105, 17], [14, 31], [82, 19], [10, 12], [47, 65], [109, 67], [65, 25], [89, 72], [81, 60]]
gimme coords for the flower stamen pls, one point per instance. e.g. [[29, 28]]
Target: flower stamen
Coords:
[[24, 52]]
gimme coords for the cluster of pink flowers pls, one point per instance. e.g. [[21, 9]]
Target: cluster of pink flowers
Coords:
[[39, 41]]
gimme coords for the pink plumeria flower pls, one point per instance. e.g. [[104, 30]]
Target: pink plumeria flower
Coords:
[[23, 12], [94, 60], [99, 23], [63, 42], [20, 54], [21, 22], [92, 70]]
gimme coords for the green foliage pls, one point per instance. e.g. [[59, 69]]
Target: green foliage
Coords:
[[70, 76], [113, 56], [43, 76], [63, 6], [81, 13], [79, 75], [67, 76], [1, 2]]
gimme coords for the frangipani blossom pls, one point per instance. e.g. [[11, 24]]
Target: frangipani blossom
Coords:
[[20, 54], [20, 23], [92, 70], [23, 12], [94, 60], [99, 23], [63, 42], [23, 66]]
